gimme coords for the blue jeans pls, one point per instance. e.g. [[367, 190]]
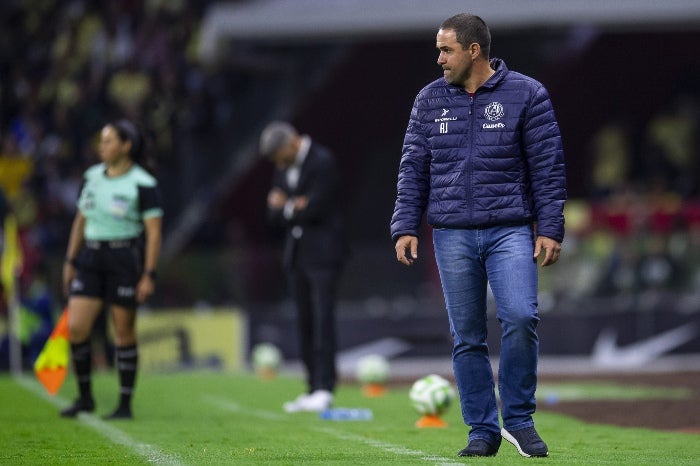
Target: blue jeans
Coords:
[[468, 260]]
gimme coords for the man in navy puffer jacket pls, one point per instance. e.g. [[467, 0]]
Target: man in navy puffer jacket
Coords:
[[483, 155]]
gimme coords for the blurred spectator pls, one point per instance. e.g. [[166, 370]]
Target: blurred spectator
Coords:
[[670, 151], [152, 45], [128, 89], [16, 168], [611, 154], [113, 44]]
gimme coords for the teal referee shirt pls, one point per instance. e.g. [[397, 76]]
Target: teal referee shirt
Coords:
[[115, 207]]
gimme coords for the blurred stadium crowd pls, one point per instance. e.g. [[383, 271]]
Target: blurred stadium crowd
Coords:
[[68, 67]]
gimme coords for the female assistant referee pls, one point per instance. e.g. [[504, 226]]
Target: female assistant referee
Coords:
[[111, 258]]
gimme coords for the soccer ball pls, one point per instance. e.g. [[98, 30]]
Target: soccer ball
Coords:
[[266, 357], [373, 369], [431, 395]]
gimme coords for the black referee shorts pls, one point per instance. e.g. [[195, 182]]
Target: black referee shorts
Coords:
[[109, 270]]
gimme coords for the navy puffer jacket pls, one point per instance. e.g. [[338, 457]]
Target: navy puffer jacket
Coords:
[[492, 158]]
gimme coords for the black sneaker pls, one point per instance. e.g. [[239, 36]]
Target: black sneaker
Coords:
[[480, 447], [527, 441], [80, 405], [119, 413]]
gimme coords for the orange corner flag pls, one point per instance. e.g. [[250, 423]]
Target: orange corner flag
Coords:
[[52, 364]]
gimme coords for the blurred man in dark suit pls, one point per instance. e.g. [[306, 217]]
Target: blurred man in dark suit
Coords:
[[304, 199]]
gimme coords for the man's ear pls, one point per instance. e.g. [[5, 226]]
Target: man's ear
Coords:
[[474, 50]]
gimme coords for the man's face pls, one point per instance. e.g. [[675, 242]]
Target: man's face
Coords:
[[454, 60], [285, 156]]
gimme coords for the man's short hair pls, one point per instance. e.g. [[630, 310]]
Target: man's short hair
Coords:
[[275, 135], [469, 29]]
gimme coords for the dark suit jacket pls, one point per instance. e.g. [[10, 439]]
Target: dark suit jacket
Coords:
[[323, 241]]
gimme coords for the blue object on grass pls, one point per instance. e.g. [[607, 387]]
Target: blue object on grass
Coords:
[[346, 414]]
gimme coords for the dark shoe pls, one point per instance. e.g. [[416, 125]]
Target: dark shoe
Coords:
[[119, 413], [80, 405], [527, 441], [480, 447]]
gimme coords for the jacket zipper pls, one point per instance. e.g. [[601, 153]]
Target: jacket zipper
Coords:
[[469, 162]]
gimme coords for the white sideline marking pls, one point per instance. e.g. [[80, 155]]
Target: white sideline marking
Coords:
[[391, 448], [149, 452], [234, 407], [388, 447]]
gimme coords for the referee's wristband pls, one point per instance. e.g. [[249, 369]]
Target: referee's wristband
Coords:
[[151, 273]]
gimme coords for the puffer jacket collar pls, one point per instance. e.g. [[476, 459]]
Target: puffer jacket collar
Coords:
[[500, 68]]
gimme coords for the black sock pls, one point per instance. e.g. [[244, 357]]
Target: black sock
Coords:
[[127, 362], [82, 362]]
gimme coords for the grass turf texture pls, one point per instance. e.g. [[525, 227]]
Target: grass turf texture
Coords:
[[209, 418]]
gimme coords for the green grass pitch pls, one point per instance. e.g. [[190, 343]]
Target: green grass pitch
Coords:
[[199, 418]]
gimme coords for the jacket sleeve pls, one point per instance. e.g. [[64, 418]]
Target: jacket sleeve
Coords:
[[275, 217], [321, 192], [413, 185], [544, 155]]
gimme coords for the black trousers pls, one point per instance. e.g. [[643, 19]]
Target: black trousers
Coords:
[[314, 291]]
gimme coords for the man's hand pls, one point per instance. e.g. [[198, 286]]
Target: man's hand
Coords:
[[551, 250], [406, 244], [276, 199], [300, 203]]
